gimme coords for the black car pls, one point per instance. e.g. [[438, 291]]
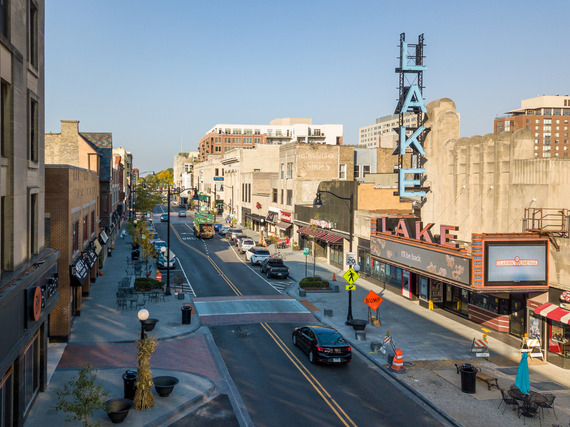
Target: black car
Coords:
[[322, 344]]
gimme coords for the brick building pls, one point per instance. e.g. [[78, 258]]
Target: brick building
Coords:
[[547, 117], [72, 212]]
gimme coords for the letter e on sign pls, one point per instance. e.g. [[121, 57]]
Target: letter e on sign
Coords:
[[373, 300]]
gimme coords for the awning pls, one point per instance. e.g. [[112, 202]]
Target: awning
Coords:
[[79, 272], [553, 312], [98, 247], [332, 238], [311, 232], [103, 236], [284, 225]]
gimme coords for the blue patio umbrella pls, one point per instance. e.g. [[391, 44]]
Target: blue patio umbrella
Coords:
[[522, 381]]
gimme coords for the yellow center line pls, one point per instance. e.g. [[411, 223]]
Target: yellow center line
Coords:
[[319, 388], [218, 269]]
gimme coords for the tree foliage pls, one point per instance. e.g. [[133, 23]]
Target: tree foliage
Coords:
[[81, 396]]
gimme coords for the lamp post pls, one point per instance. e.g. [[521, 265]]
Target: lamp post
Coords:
[[167, 291], [142, 315], [318, 202]]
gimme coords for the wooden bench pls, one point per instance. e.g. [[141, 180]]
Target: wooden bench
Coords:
[[491, 381]]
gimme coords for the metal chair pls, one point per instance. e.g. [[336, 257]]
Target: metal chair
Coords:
[[140, 303], [121, 303], [549, 404], [507, 400]]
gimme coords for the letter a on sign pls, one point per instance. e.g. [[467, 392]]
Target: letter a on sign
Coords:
[[373, 300]]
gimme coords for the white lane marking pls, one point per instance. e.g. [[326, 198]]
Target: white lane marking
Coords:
[[187, 280]]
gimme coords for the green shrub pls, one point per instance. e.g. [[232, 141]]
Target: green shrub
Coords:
[[146, 284], [313, 282]]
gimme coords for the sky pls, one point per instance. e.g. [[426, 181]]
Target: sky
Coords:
[[159, 75]]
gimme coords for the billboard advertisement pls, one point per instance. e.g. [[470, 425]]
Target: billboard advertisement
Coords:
[[511, 263]]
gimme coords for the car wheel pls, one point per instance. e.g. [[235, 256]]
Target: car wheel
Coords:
[[312, 357], [268, 274], [294, 340]]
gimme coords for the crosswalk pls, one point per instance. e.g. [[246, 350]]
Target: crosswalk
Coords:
[[279, 286], [189, 238]]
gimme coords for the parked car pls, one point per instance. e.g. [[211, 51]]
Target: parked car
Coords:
[[182, 213], [162, 263], [158, 245], [217, 226], [233, 233], [223, 230], [322, 344], [154, 237], [245, 245], [257, 255], [274, 267], [164, 217], [239, 238]]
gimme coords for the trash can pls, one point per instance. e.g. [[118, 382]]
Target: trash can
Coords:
[[186, 314], [129, 379], [468, 377], [135, 254]]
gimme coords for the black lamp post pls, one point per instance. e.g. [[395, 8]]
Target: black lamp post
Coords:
[[142, 315], [318, 202], [167, 291]]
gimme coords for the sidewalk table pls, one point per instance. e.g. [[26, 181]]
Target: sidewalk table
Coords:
[[529, 401]]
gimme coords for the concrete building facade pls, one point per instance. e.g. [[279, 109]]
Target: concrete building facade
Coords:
[[383, 132], [28, 268]]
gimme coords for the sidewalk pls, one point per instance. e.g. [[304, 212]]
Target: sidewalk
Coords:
[[432, 343]]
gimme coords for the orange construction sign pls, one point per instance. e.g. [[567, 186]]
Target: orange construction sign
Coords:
[[373, 300]]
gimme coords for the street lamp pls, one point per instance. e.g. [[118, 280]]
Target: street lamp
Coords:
[[317, 203], [142, 315], [167, 291]]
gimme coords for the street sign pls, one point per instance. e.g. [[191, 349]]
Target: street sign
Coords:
[[350, 276], [350, 287], [306, 251], [351, 258], [218, 178], [373, 300]]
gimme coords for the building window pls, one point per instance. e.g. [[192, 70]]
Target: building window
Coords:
[[289, 170], [274, 195], [85, 227], [257, 140], [365, 170], [33, 130], [75, 237], [247, 132], [342, 171], [31, 371], [4, 115], [93, 222], [289, 197], [33, 34], [216, 172], [282, 170], [33, 233], [281, 196], [356, 171], [257, 132]]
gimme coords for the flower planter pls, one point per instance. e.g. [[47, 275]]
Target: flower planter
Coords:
[[118, 409], [164, 385], [149, 324], [358, 324]]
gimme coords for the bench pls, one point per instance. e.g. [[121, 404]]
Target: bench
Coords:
[[488, 379]]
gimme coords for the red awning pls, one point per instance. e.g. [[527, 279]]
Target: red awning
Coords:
[[333, 238], [553, 312], [310, 232]]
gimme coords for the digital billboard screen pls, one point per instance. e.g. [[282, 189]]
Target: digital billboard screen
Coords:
[[511, 263]]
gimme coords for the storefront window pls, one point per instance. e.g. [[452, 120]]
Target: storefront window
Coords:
[[437, 292], [534, 326], [6, 393], [31, 371], [486, 302], [336, 255], [559, 338], [424, 288]]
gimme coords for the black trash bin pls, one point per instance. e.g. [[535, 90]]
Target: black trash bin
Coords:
[[468, 377], [135, 254], [186, 314], [129, 378]]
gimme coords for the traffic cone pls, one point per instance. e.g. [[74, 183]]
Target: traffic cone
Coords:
[[158, 276], [398, 362], [334, 278]]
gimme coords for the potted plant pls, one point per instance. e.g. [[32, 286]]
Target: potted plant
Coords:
[[164, 385], [118, 409], [81, 396]]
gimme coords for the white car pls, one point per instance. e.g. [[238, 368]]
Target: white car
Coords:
[[162, 263], [224, 229], [257, 255], [245, 245]]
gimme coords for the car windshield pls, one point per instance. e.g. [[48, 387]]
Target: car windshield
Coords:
[[248, 242], [261, 252], [330, 338]]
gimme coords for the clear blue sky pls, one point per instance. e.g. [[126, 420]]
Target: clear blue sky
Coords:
[[158, 73]]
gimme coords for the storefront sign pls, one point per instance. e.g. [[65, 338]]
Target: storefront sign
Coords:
[[79, 272], [285, 216], [37, 303], [413, 229], [271, 216], [512, 263], [321, 223], [449, 266]]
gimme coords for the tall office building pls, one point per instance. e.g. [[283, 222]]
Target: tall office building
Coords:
[[382, 133], [547, 118]]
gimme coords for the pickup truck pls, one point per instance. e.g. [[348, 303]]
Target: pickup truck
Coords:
[[274, 267]]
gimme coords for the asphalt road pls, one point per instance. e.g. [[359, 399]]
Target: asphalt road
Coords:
[[276, 383]]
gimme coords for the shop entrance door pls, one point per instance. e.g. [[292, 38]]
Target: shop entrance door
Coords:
[[517, 323], [464, 303]]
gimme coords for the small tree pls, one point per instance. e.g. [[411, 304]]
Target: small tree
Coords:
[[81, 396], [144, 398]]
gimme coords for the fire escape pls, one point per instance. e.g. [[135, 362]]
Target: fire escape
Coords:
[[550, 222]]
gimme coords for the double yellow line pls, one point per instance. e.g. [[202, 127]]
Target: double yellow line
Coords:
[[319, 388], [221, 273]]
